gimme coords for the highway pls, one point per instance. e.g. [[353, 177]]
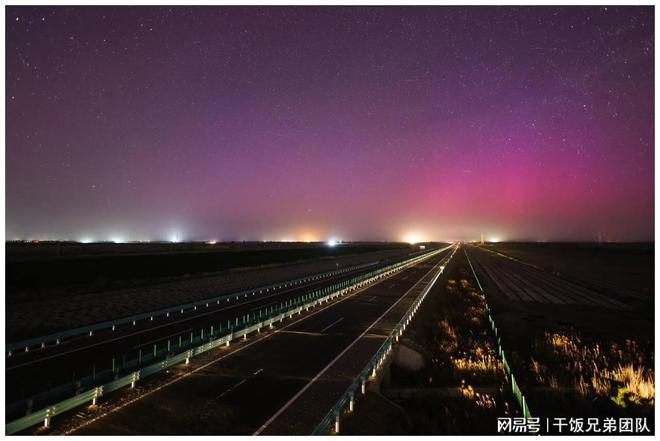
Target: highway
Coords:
[[265, 384], [29, 373], [53, 315]]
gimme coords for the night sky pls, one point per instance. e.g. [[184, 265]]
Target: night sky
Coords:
[[306, 123]]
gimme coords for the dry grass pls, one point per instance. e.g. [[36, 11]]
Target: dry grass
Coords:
[[483, 400], [461, 336], [638, 383], [481, 366], [446, 337], [620, 371]]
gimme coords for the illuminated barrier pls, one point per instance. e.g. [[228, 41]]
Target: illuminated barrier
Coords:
[[370, 371], [293, 307], [514, 385], [56, 338], [63, 391]]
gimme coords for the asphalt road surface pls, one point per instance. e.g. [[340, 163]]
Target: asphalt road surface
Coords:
[[38, 370], [51, 314], [280, 383]]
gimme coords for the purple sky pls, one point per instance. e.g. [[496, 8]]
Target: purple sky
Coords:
[[305, 123]]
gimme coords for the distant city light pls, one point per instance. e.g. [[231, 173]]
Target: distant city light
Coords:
[[174, 237], [117, 239], [212, 242], [308, 237], [494, 239], [412, 238], [86, 240], [332, 242]]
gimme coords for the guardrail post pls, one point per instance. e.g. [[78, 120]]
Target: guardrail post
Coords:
[[47, 419], [364, 387], [294, 305]]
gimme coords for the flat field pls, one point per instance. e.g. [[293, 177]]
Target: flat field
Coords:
[[577, 321], [46, 293]]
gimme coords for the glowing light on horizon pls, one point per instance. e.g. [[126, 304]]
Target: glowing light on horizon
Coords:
[[412, 238], [308, 237], [332, 242]]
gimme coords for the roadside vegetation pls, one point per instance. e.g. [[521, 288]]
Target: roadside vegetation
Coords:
[[462, 388], [592, 375]]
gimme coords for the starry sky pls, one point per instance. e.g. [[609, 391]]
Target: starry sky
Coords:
[[360, 123]]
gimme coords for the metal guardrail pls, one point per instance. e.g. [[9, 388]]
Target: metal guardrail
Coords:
[[185, 341], [371, 368], [294, 307], [82, 330], [514, 385], [500, 352]]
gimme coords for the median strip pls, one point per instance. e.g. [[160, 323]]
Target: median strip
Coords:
[[302, 304]]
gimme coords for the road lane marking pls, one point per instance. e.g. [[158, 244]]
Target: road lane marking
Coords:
[[332, 324], [258, 340], [187, 318], [254, 374], [313, 334], [341, 354]]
